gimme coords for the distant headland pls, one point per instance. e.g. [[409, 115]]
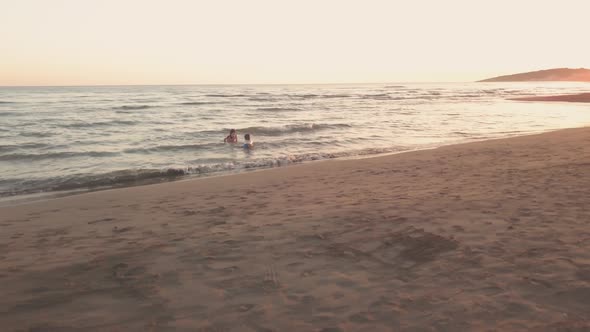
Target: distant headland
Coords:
[[557, 74]]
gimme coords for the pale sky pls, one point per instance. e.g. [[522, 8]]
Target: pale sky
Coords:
[[87, 42]]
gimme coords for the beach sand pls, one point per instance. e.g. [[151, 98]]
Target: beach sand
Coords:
[[577, 98], [485, 236]]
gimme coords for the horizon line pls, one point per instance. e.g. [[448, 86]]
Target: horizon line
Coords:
[[224, 84]]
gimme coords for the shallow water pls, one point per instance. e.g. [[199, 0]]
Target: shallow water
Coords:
[[64, 138]]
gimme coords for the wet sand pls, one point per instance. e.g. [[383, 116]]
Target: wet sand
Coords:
[[486, 236], [577, 98]]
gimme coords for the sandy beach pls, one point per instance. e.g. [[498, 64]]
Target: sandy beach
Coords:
[[485, 236], [576, 98]]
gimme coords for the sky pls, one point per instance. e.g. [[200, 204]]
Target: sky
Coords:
[[96, 42]]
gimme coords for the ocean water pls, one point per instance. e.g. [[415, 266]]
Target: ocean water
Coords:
[[79, 138]]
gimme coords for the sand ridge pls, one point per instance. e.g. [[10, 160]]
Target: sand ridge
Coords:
[[482, 236]]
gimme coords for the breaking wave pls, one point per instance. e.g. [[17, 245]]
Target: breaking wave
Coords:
[[288, 129], [201, 103], [171, 148], [132, 107], [226, 95], [130, 177], [13, 147], [277, 109], [54, 155], [99, 124], [377, 96]]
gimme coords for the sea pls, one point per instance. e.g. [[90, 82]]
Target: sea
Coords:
[[62, 140]]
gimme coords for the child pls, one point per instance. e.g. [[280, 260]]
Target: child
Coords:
[[249, 144], [232, 137]]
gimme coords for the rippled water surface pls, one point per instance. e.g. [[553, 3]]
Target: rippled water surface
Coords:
[[63, 138]]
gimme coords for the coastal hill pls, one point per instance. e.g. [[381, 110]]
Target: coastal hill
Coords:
[[558, 74]]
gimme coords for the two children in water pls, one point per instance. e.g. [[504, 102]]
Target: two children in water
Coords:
[[233, 138]]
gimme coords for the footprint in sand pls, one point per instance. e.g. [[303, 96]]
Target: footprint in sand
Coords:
[[218, 209], [187, 213], [245, 307], [307, 273], [100, 220], [361, 317], [121, 230], [271, 277]]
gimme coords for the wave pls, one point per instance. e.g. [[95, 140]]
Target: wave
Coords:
[[9, 113], [89, 181], [54, 155], [518, 93], [218, 95], [98, 124], [303, 96], [132, 107], [130, 177], [378, 96], [277, 109], [37, 134], [335, 96], [468, 95], [262, 99], [201, 103], [12, 147], [7, 102], [312, 96], [165, 148], [288, 129]]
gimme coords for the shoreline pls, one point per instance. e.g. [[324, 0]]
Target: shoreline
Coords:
[[481, 235], [22, 199], [575, 98]]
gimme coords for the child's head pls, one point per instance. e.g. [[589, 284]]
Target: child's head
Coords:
[[247, 137]]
